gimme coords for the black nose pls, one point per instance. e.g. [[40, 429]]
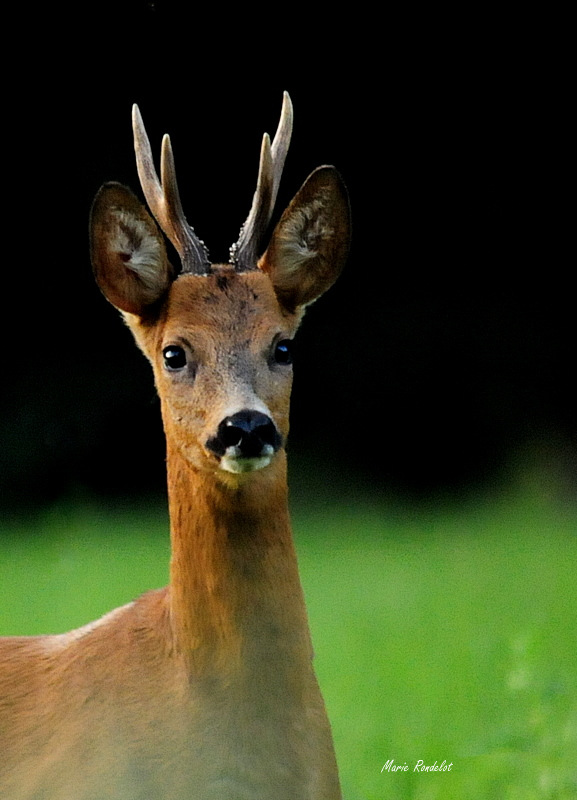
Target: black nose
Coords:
[[253, 433]]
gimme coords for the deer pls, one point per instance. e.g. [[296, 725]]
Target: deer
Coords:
[[205, 689]]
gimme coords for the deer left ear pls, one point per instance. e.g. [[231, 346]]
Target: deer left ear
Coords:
[[310, 243], [128, 252]]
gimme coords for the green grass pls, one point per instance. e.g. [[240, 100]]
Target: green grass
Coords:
[[441, 633]]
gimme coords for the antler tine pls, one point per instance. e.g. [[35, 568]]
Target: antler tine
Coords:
[[164, 200], [281, 142], [191, 249], [245, 252]]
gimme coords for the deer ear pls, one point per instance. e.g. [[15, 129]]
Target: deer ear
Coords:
[[310, 243], [127, 250]]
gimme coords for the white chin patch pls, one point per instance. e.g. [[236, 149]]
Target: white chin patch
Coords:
[[232, 461]]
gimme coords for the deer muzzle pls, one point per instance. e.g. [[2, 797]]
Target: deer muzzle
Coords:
[[245, 441]]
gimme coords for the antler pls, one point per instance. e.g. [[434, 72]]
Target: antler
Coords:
[[245, 252], [164, 200]]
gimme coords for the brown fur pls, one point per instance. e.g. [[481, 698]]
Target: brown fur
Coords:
[[204, 690]]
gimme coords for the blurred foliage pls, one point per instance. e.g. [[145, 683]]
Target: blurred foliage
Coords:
[[441, 631]]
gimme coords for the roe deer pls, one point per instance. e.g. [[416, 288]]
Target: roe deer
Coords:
[[204, 690]]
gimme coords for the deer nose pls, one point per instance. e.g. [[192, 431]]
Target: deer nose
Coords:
[[251, 434]]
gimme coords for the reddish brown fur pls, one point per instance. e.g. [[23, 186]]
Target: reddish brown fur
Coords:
[[204, 690]]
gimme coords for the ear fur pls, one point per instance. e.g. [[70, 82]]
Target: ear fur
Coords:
[[127, 249], [309, 246]]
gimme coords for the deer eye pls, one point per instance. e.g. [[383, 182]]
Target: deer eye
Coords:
[[174, 357], [283, 352]]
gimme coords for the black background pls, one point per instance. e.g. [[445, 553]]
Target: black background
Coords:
[[444, 356]]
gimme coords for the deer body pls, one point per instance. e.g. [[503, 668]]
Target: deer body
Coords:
[[204, 690]]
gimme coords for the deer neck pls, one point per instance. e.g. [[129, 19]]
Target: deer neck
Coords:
[[235, 594]]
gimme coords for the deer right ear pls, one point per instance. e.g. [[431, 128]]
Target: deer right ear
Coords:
[[310, 244], [128, 253]]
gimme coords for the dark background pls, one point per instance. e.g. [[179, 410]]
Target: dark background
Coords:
[[442, 361]]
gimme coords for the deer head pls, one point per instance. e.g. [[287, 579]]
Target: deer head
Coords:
[[219, 336]]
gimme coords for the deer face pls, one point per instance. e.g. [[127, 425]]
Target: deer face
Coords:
[[220, 352]]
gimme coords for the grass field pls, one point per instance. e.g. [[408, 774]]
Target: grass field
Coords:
[[442, 633]]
